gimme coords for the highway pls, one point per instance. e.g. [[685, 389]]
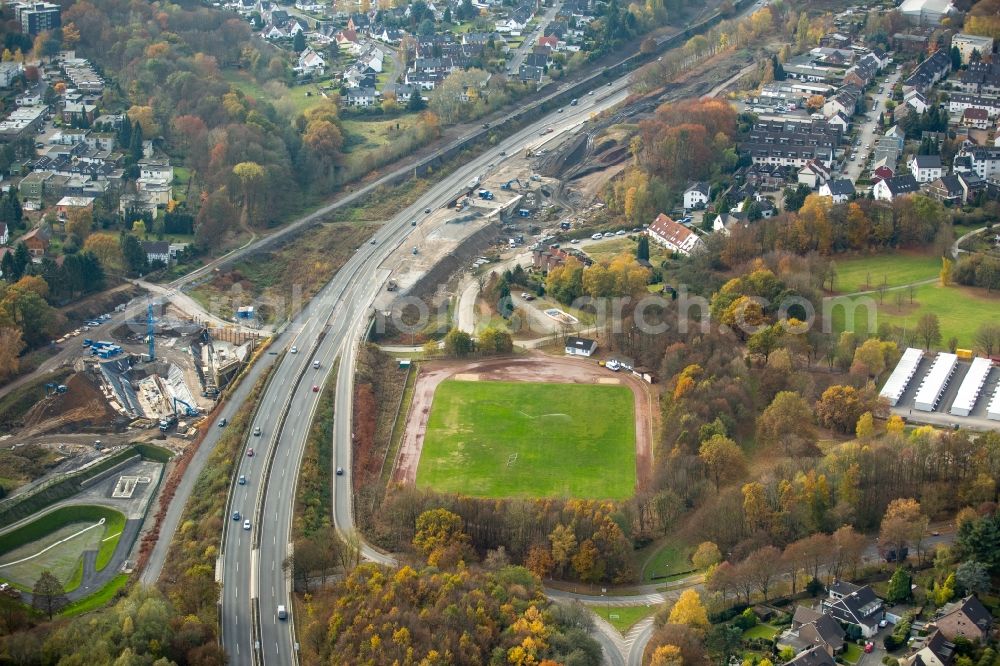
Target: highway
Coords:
[[250, 565]]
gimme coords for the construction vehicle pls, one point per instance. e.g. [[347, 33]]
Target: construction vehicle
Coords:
[[486, 194], [170, 421], [964, 354], [510, 183], [391, 286], [53, 389]]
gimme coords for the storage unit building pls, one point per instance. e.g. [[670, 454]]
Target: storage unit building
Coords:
[[993, 409], [973, 383], [935, 382], [901, 376]]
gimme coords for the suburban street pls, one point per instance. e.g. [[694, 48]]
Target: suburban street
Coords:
[[866, 131], [531, 38]]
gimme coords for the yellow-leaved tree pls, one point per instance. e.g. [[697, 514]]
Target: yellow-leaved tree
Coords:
[[689, 611]]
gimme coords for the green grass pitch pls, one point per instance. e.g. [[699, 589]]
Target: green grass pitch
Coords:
[[523, 439]]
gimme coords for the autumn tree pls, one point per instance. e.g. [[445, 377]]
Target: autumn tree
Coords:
[[839, 408], [689, 610], [706, 555], [108, 250], [79, 223], [787, 422], [667, 655], [249, 177], [723, 459], [11, 346], [437, 530], [563, 540], [986, 339], [902, 525], [458, 343]]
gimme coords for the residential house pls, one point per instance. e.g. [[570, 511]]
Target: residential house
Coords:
[[839, 189], [814, 656], [32, 186], [697, 195], [36, 241], [310, 63], [766, 177], [839, 120], [966, 618], [530, 73], [157, 251], [925, 168], [69, 203], [138, 202], [976, 119], [580, 346], [845, 101], [935, 650], [724, 223], [983, 161], [361, 97], [967, 45], [4, 234], [916, 100], [9, 71], [79, 113], [810, 629], [855, 605], [673, 235], [946, 189], [960, 102], [979, 78], [929, 71], [888, 189], [863, 72], [813, 174]]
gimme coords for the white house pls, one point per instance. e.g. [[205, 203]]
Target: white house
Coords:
[[813, 174], [890, 188], [673, 235], [580, 346], [925, 168], [362, 97], [840, 190], [697, 195], [915, 99], [839, 120], [4, 234], [310, 63]]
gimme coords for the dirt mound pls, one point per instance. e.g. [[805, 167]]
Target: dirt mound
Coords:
[[81, 408]]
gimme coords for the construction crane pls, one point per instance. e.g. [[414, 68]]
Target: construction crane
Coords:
[[150, 329]]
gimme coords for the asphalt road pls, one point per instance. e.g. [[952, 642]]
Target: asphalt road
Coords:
[[251, 561], [866, 131]]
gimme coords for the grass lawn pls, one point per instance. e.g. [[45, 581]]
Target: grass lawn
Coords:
[[373, 133], [960, 311], [63, 536], [852, 652], [611, 248], [623, 617], [97, 599], [670, 561], [896, 269], [293, 99], [761, 631], [525, 439]]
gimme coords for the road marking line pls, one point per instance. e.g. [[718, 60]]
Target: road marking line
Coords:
[[110, 537], [61, 541]]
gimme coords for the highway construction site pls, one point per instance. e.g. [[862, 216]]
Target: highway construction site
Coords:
[[553, 187], [144, 379]]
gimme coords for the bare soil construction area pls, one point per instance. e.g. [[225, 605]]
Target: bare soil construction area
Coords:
[[534, 368]]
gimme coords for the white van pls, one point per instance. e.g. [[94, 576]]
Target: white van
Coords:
[[282, 613]]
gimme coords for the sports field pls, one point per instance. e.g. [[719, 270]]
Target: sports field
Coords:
[[525, 439], [865, 273]]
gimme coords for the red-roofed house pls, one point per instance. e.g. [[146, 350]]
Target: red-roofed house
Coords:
[[673, 235], [551, 41]]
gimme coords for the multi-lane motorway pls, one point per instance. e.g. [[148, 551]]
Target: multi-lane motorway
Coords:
[[254, 583]]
